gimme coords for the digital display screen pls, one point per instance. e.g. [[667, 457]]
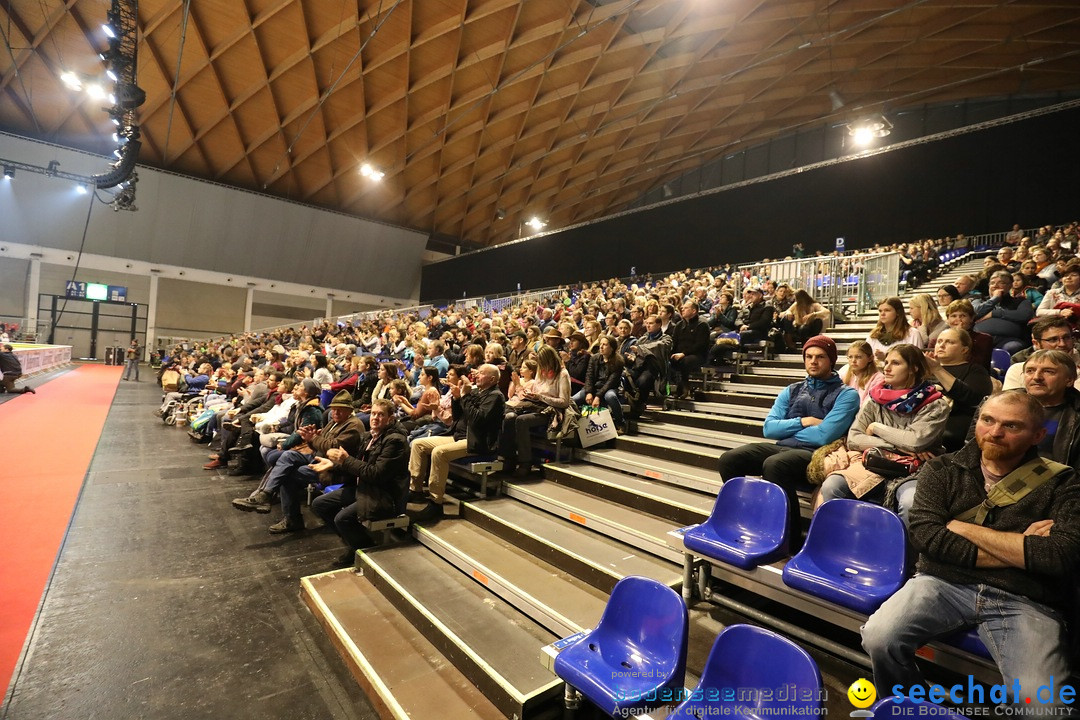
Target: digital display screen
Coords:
[[97, 291]]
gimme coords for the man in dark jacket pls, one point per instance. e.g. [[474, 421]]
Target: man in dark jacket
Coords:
[[478, 416], [376, 481], [689, 346], [1002, 564], [296, 468], [805, 416], [756, 317], [647, 361], [11, 369]]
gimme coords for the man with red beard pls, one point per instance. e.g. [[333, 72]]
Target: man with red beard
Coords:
[[997, 529]]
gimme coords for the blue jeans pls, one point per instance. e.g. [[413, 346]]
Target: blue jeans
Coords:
[[291, 466], [1025, 638]]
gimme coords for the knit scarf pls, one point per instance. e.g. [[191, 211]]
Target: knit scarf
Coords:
[[905, 401]]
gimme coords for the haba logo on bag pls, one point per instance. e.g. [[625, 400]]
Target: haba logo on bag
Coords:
[[595, 427]]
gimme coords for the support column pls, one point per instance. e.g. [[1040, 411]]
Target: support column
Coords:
[[33, 287], [329, 306], [247, 308], [151, 317]]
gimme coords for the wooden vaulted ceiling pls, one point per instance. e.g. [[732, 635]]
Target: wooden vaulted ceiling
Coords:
[[483, 113]]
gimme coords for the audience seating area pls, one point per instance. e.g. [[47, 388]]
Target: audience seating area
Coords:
[[582, 563]]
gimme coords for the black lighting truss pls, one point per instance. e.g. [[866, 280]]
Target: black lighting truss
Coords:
[[121, 60]]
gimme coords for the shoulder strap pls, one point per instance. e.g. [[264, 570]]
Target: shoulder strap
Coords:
[[1013, 488]]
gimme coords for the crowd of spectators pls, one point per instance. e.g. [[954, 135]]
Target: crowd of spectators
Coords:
[[372, 412]]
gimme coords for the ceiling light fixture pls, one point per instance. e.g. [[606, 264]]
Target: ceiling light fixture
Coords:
[[536, 223], [864, 131], [73, 81], [369, 171], [9, 173]]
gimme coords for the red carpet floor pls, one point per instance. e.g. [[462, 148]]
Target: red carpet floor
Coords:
[[48, 442]]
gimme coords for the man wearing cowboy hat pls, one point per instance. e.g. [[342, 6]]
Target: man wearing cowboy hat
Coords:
[[293, 471]]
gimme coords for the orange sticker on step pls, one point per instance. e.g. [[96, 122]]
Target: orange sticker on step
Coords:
[[653, 475], [579, 519], [480, 577]]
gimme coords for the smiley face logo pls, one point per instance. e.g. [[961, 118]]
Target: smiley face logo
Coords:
[[862, 693]]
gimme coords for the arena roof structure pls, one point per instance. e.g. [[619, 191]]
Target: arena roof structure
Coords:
[[483, 113]]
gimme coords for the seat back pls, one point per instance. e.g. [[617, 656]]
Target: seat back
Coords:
[[999, 362], [746, 660], [643, 619], [752, 507], [863, 543]]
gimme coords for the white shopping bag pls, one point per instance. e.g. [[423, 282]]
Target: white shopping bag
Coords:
[[596, 428]]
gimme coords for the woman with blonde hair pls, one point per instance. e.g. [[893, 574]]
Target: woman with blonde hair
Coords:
[[926, 319], [892, 329]]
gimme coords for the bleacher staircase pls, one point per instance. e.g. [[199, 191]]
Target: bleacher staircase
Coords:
[[449, 623]]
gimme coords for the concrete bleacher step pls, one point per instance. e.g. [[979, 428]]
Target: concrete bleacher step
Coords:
[[485, 637], [757, 380], [742, 400], [684, 507], [691, 477], [761, 386], [694, 435], [671, 450], [633, 527], [560, 602], [747, 427], [595, 558], [791, 374], [402, 673], [728, 409]]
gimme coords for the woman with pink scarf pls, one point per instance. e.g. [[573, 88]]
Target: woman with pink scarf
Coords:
[[903, 419]]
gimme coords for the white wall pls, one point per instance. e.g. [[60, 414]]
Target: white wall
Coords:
[[191, 223]]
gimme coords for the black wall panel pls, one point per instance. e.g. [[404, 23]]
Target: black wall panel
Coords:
[[1026, 172]]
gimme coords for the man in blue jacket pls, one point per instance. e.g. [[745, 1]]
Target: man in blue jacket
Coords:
[[805, 416]]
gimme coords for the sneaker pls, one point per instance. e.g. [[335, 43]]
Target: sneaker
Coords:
[[258, 501], [431, 513], [286, 525]]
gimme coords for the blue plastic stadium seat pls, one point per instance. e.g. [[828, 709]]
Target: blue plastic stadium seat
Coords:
[[748, 525], [893, 708], [855, 555], [969, 641], [1000, 360], [635, 658], [745, 660]]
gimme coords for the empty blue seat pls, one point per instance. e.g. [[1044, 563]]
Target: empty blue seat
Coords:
[[893, 708], [743, 662], [635, 658], [1000, 360], [855, 555], [748, 525]]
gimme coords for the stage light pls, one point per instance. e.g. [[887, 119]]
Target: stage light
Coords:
[[81, 189], [536, 223], [111, 74], [72, 80], [95, 91], [108, 30], [9, 173]]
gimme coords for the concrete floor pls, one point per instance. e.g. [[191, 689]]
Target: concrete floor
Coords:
[[168, 603]]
